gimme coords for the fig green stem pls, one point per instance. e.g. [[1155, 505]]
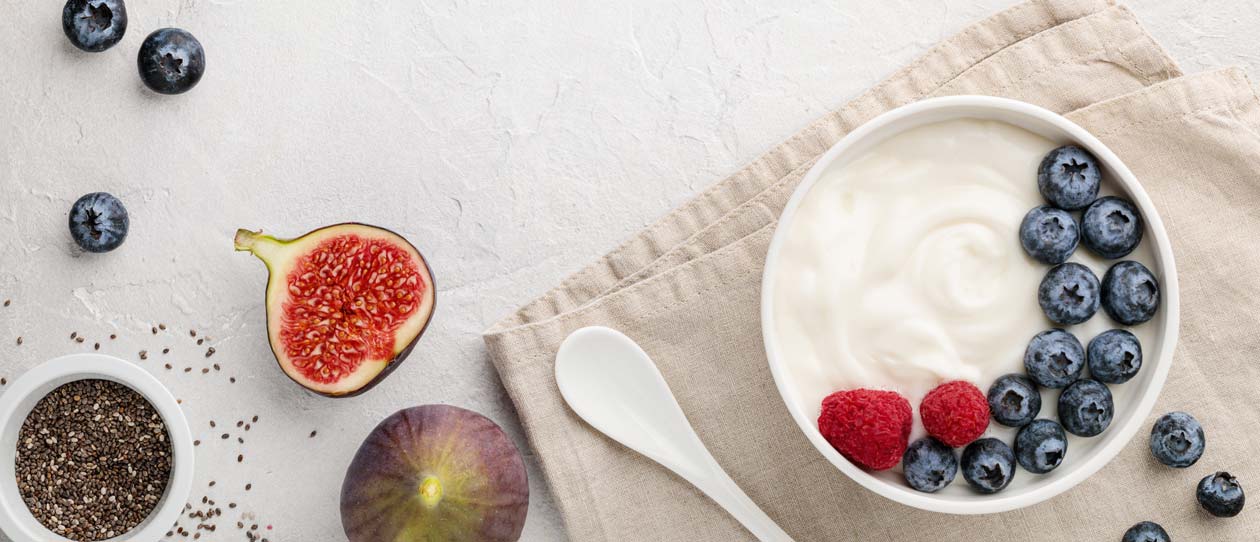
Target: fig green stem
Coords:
[[263, 246], [430, 491]]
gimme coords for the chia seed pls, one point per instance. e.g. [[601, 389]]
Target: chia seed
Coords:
[[93, 460]]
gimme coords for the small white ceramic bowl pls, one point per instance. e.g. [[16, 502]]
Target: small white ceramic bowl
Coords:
[[1027, 489], [21, 395]]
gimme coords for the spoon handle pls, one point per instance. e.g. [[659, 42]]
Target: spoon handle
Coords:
[[719, 486]]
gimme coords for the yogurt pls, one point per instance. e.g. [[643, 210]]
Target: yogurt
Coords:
[[902, 269]]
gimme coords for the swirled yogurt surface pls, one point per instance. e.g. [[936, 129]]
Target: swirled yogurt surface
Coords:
[[902, 269]]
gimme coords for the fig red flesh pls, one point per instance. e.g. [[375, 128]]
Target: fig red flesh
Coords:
[[350, 295], [435, 473]]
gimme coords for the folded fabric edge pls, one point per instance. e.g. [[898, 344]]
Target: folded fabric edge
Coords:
[[986, 37], [1188, 94]]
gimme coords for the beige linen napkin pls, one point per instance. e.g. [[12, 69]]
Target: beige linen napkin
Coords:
[[687, 289]]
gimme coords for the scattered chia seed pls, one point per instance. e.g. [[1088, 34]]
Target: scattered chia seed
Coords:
[[313, 434], [240, 423], [19, 341], [79, 340], [249, 487], [74, 335], [155, 331], [240, 458], [255, 420], [168, 366], [200, 341], [216, 367], [192, 333], [205, 370], [187, 369], [144, 354], [166, 350], [113, 336], [196, 443], [212, 423], [93, 460], [210, 351], [162, 327], [225, 436], [96, 346], [4, 382], [232, 380], [8, 302]]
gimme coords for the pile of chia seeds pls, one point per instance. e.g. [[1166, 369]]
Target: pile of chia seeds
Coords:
[[93, 460]]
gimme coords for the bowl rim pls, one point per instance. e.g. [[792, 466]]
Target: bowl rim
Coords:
[[15, 519], [1170, 307]]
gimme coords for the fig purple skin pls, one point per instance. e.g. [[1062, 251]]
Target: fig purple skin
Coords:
[[435, 473]]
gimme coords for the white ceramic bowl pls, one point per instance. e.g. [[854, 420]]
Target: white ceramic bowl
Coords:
[[1141, 392], [21, 395]]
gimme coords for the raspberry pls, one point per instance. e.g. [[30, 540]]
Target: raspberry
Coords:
[[956, 413], [869, 427]]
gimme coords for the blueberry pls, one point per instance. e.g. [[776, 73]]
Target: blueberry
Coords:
[[1014, 400], [1177, 440], [1069, 177], [1040, 446], [1115, 356], [1069, 294], [1130, 293], [94, 25], [1146, 531], [1111, 227], [1054, 359], [929, 465], [1049, 235], [98, 222], [988, 465], [1220, 494], [1086, 408], [171, 61]]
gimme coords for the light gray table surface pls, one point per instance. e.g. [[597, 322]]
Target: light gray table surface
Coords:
[[513, 141]]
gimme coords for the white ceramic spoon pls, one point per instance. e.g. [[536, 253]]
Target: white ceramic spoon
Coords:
[[612, 384]]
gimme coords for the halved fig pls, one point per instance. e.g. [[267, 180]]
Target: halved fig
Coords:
[[435, 473], [345, 304]]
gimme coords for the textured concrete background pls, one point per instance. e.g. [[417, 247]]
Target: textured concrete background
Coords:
[[513, 142]]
